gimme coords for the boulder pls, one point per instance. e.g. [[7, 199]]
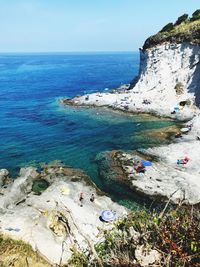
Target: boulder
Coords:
[[147, 256], [3, 175]]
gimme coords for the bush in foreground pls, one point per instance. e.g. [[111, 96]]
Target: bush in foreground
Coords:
[[175, 236]]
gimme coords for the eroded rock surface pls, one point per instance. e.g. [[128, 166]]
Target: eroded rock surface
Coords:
[[55, 220], [165, 179], [169, 78]]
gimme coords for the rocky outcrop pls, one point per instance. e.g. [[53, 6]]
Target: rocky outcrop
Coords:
[[162, 181], [167, 84], [164, 68], [147, 257], [171, 59], [19, 189], [55, 220], [169, 75], [3, 176]]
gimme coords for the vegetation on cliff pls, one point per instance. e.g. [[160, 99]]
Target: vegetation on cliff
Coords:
[[185, 29], [173, 237]]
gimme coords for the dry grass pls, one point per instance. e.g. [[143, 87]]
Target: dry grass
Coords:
[[19, 254]]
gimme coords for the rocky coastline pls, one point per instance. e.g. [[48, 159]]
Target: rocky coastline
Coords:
[[167, 86], [56, 209], [170, 181], [51, 218]]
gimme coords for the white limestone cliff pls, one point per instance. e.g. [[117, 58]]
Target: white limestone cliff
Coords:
[[169, 78], [168, 84], [164, 66]]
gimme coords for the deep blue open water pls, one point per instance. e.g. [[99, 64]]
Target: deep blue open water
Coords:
[[35, 128]]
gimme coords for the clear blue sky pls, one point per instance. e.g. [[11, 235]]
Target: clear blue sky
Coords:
[[84, 25]]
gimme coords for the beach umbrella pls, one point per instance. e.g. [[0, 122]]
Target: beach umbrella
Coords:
[[185, 130], [177, 108], [108, 215], [146, 163]]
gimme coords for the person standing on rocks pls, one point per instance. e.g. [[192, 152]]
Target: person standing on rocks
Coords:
[[92, 198], [81, 199]]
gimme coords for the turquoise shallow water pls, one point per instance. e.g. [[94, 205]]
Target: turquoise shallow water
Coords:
[[35, 128]]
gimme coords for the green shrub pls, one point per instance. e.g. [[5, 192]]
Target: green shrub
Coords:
[[196, 15], [176, 235], [181, 19], [184, 30], [168, 27], [78, 259]]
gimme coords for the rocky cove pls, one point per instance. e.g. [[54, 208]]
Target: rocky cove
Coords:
[[167, 86], [43, 208], [43, 204]]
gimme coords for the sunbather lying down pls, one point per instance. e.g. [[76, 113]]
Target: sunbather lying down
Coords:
[[183, 161], [140, 168]]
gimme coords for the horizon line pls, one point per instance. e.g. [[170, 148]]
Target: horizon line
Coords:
[[62, 52]]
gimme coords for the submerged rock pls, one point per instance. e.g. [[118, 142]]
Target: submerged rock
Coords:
[[39, 186]]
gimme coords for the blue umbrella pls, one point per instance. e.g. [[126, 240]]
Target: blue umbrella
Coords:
[[108, 215], [176, 109], [146, 163]]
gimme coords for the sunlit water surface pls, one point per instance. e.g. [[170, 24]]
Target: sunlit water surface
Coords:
[[34, 127]]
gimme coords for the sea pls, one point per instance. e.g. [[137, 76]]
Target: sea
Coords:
[[36, 129]]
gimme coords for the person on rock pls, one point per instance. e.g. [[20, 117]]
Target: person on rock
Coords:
[[81, 199], [92, 198]]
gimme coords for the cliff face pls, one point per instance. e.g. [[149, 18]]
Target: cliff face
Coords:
[[168, 83], [170, 69]]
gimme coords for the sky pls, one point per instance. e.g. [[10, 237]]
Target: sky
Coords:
[[85, 25]]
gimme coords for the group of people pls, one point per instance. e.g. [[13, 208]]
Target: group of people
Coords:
[[81, 198]]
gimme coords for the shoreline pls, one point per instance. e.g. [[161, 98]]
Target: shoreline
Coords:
[[136, 103], [146, 116], [178, 183], [120, 111]]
